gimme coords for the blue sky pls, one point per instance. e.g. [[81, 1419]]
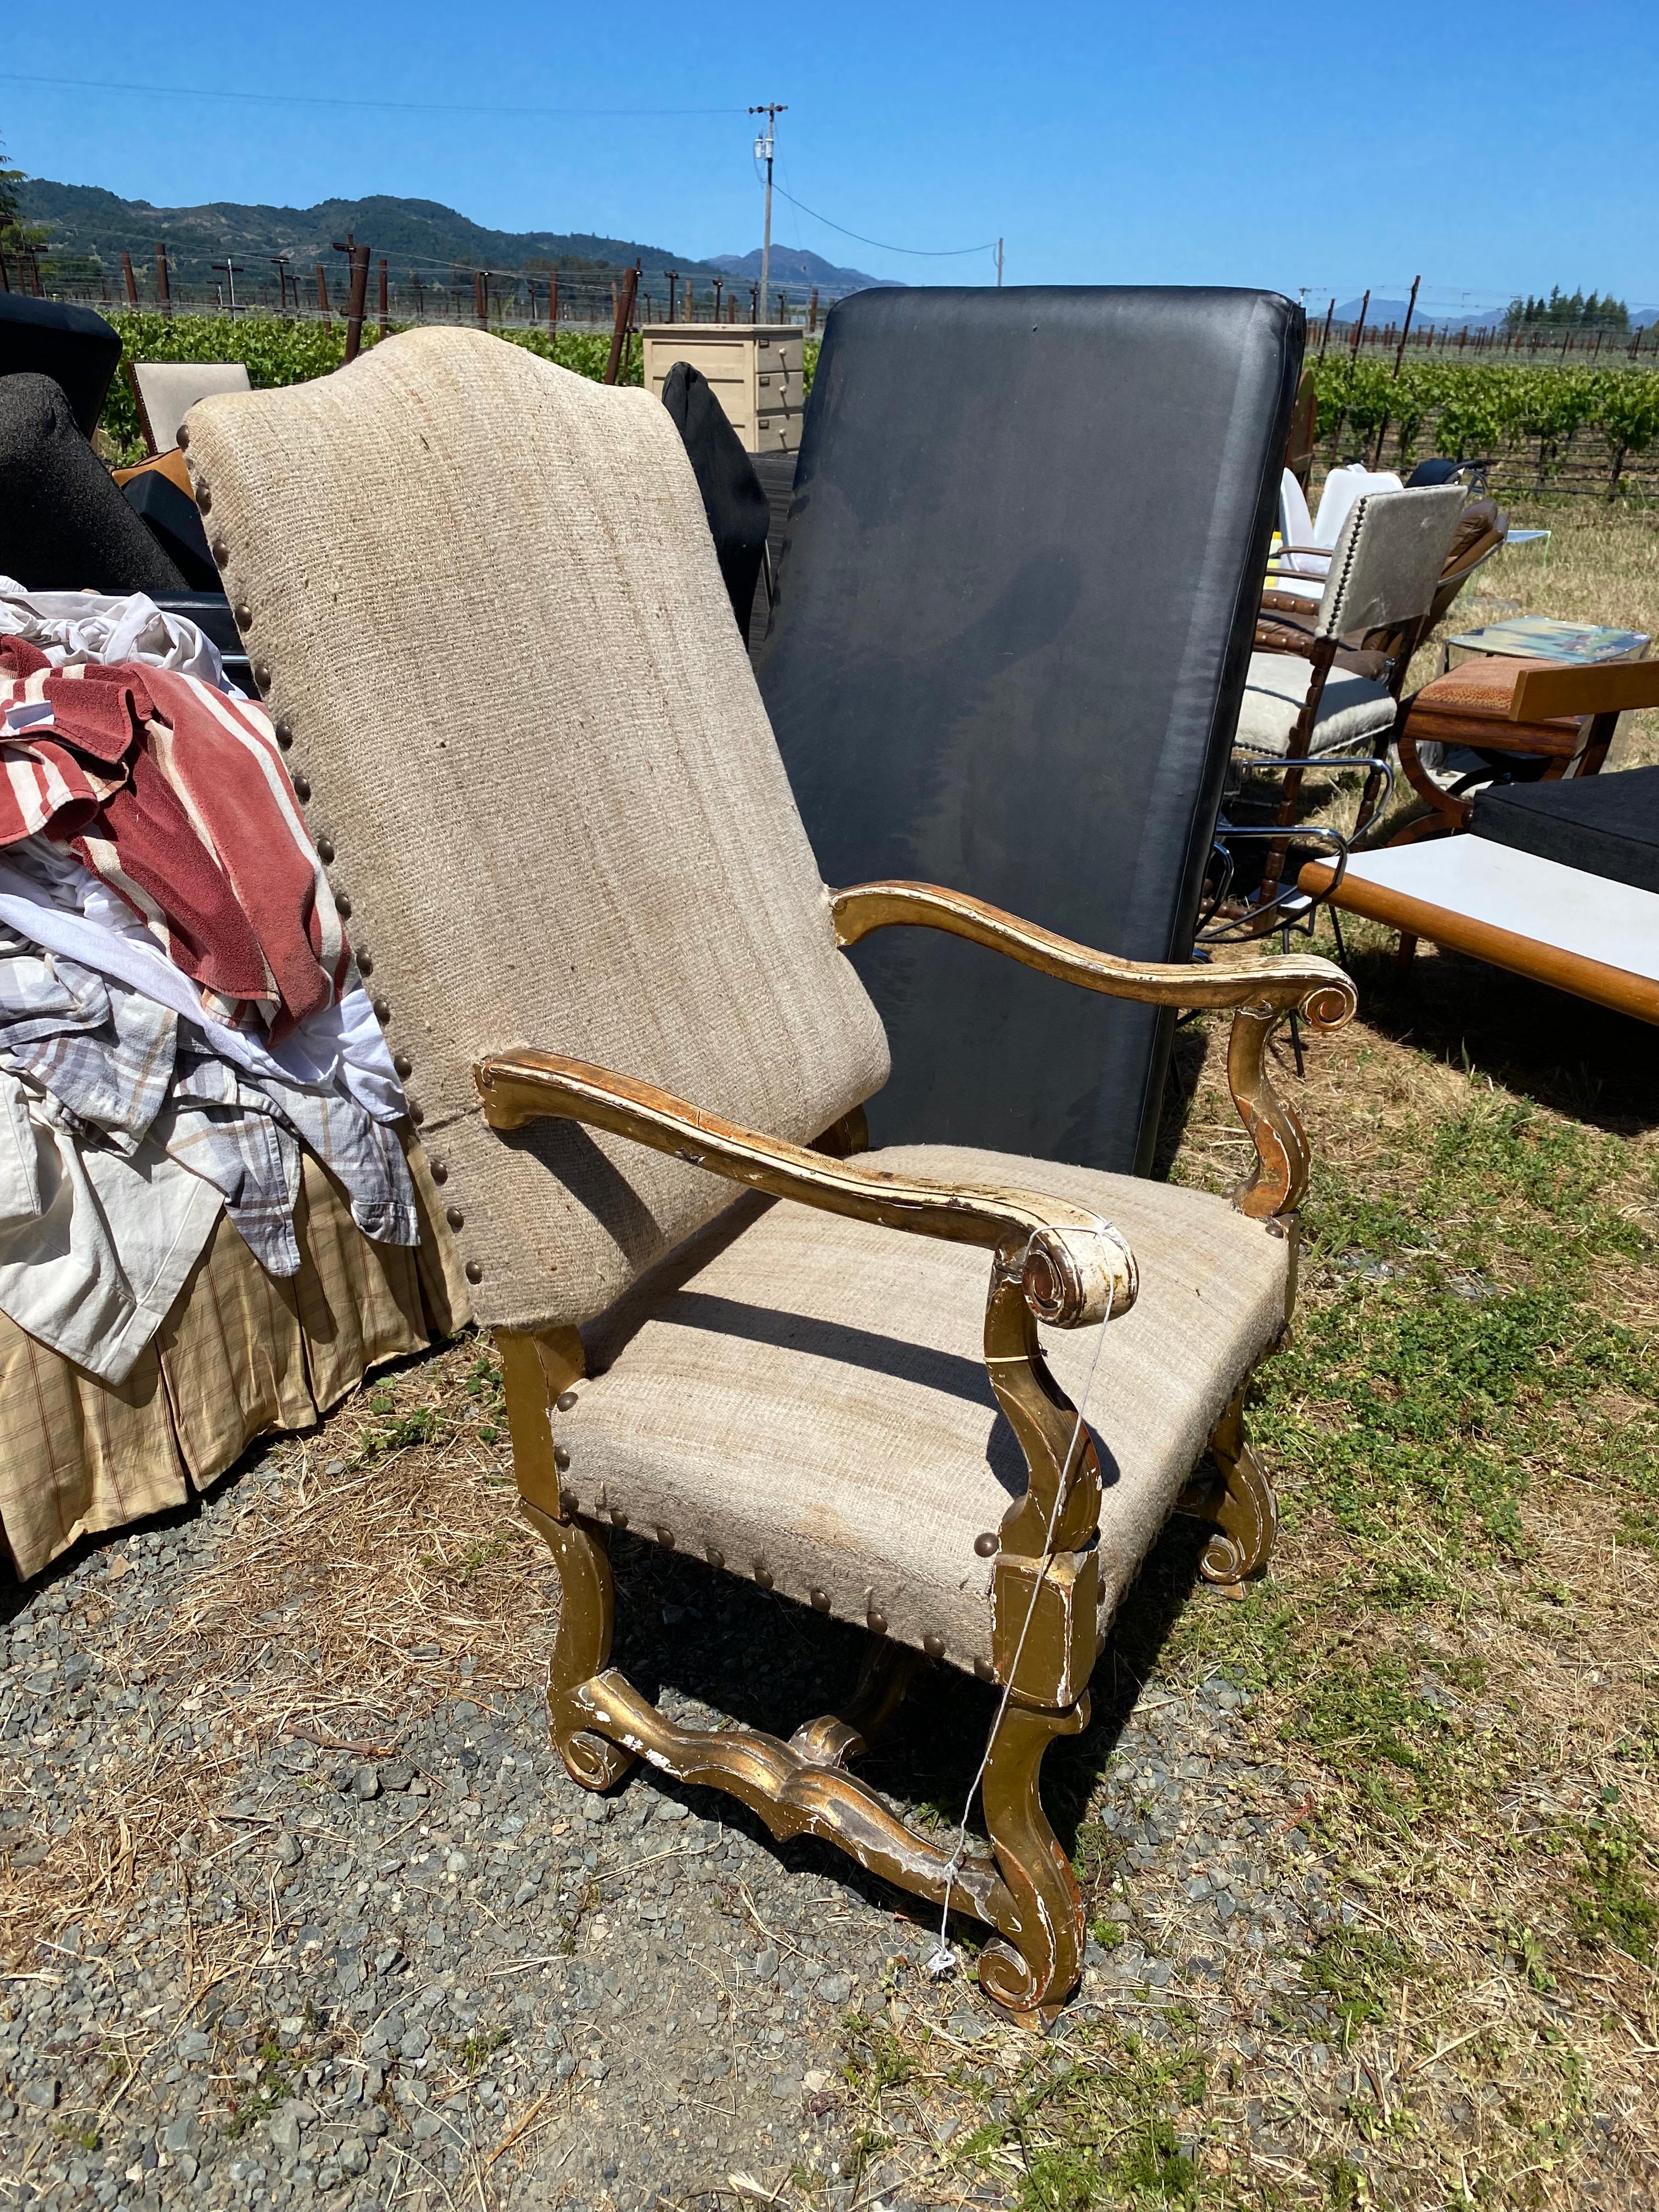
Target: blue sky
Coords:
[[1492, 148]]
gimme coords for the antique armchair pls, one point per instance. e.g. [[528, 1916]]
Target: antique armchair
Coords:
[[537, 768]]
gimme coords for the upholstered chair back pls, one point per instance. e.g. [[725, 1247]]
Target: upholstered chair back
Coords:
[[485, 611], [1388, 560]]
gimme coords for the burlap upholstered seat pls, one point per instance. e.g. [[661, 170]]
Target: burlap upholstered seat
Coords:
[[482, 602], [809, 1399]]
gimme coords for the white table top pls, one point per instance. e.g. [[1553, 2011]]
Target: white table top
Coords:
[[1614, 923]]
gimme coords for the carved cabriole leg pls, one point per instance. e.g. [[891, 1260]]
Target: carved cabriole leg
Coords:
[[1240, 1502], [1035, 1970], [535, 1370]]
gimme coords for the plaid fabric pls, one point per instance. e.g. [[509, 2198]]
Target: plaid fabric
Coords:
[[176, 795], [118, 1068], [240, 1354]]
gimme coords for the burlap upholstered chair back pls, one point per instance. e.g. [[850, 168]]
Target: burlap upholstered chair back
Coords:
[[481, 595]]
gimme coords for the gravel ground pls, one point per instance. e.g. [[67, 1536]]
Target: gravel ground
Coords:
[[418, 1967]]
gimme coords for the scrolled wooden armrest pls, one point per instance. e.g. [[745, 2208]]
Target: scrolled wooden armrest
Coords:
[[1260, 995], [1300, 983], [1074, 1267]]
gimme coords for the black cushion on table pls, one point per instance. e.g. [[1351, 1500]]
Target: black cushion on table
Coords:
[[732, 497], [1607, 825], [1014, 619], [175, 520], [63, 524], [75, 348]]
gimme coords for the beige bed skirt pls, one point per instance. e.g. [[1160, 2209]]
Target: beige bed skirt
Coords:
[[241, 1354]]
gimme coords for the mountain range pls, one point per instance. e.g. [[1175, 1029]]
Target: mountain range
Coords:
[[793, 265], [421, 236], [90, 226]]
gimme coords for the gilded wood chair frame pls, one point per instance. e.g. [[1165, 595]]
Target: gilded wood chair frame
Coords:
[[1051, 1262]]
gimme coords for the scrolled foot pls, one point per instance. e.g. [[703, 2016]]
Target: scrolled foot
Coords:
[[1032, 1975], [1240, 1504], [581, 1647]]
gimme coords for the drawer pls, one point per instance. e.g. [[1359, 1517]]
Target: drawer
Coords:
[[779, 387], [778, 433], [782, 353]]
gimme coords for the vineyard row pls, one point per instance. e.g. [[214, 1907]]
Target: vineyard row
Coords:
[[1543, 430]]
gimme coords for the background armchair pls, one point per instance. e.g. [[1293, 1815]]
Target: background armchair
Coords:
[[615, 986]]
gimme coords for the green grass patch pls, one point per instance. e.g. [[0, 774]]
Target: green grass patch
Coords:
[[1614, 1904]]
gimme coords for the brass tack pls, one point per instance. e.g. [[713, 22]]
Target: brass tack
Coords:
[[984, 1670], [203, 500], [382, 1011], [819, 1600], [342, 906], [243, 615], [438, 1171], [284, 735], [325, 845], [987, 1543], [561, 1457], [618, 1518], [763, 1574], [569, 1501], [183, 439], [716, 1557], [262, 674], [934, 1646], [220, 551], [565, 1401], [665, 1538], [302, 792], [474, 1272], [877, 1622], [416, 1112], [403, 1064], [454, 1217]]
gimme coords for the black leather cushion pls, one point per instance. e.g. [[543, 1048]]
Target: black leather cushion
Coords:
[[64, 524], [174, 521], [1015, 613], [731, 498], [1607, 825], [75, 347]]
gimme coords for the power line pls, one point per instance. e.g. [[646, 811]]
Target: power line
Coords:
[[919, 253], [308, 99]]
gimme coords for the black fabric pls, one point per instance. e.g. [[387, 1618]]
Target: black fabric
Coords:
[[1607, 825], [775, 474], [174, 521], [63, 524], [72, 345], [731, 498], [1014, 618]]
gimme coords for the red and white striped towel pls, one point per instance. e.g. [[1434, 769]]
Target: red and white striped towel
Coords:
[[177, 796]]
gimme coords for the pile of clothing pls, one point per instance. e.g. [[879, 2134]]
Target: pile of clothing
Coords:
[[180, 1011]]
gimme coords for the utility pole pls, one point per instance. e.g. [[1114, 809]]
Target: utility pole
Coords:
[[764, 146], [999, 265], [279, 262]]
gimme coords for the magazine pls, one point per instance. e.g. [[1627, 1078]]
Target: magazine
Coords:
[[1542, 639]]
